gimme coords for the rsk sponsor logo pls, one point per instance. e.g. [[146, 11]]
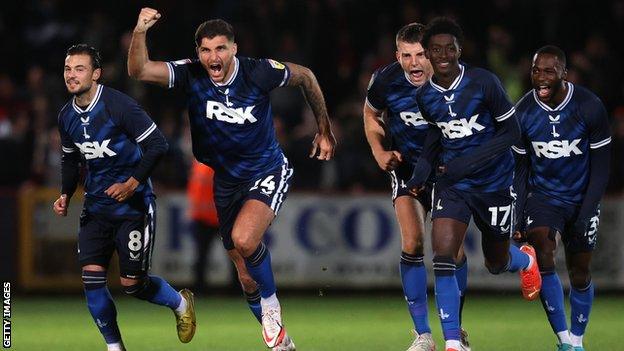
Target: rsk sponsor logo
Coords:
[[220, 112], [412, 118], [460, 128], [556, 148], [94, 149]]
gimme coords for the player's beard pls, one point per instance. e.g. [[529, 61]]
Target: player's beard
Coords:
[[81, 91]]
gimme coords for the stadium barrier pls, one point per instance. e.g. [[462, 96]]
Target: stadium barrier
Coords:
[[346, 242]]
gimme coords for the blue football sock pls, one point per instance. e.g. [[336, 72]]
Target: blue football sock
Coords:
[[414, 280], [101, 305], [259, 267], [157, 291], [253, 300], [461, 274], [581, 303], [517, 259], [447, 296], [552, 301]]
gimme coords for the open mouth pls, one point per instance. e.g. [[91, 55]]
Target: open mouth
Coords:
[[215, 68], [417, 73], [543, 91], [444, 64]]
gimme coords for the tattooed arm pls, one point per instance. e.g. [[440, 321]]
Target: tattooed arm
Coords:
[[324, 140]]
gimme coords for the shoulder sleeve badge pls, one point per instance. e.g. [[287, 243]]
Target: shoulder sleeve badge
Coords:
[[276, 65]]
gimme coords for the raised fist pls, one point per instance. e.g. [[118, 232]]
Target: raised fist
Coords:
[[147, 18]]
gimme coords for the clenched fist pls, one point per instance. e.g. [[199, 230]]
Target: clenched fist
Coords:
[[388, 160], [60, 205], [147, 18]]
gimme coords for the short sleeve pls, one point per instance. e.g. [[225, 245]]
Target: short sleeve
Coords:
[[519, 146], [375, 95], [597, 121], [135, 121], [496, 98], [421, 107], [179, 73], [269, 74]]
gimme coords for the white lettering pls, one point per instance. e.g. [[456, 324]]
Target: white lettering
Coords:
[[414, 118], [220, 112], [94, 149], [460, 128], [556, 148], [6, 315]]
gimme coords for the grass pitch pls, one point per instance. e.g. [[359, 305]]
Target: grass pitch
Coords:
[[322, 323]]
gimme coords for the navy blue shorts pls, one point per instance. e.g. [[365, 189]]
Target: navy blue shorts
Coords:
[[493, 212], [541, 212], [400, 176], [270, 188], [133, 239]]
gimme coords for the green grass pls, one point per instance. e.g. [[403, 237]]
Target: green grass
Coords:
[[378, 322]]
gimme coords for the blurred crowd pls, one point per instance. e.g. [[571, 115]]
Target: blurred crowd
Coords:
[[342, 41]]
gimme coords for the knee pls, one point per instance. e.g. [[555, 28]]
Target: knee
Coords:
[[496, 267], [545, 254], [546, 260], [244, 244], [413, 245], [129, 281], [579, 277], [135, 287]]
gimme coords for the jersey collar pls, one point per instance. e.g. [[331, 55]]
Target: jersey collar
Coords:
[[232, 77], [455, 82], [94, 102], [409, 81], [561, 105]]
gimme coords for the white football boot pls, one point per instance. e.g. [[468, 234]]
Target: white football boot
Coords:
[[286, 345], [422, 342], [273, 332]]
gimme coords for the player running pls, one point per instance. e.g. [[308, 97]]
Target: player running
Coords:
[[562, 168], [120, 145], [232, 132], [474, 126], [390, 106]]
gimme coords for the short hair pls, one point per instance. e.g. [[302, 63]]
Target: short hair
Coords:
[[443, 25], [553, 50], [84, 49], [212, 28], [410, 33]]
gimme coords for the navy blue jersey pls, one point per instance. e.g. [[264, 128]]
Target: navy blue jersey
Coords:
[[467, 113], [391, 90], [558, 141], [107, 133], [232, 123]]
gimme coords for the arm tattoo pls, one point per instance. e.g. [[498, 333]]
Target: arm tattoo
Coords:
[[304, 78]]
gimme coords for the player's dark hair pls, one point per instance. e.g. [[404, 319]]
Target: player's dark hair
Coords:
[[410, 33], [555, 51], [84, 49], [212, 28], [442, 25]]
